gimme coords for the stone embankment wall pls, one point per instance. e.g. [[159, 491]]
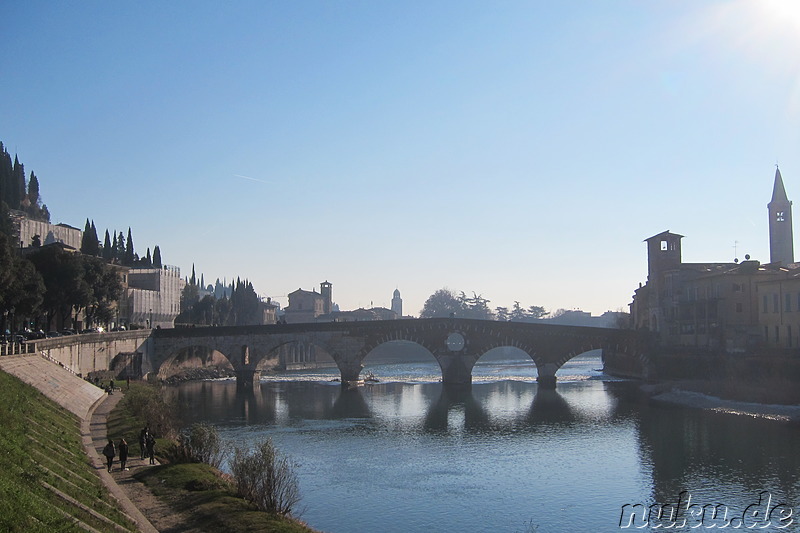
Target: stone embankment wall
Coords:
[[692, 363], [97, 351]]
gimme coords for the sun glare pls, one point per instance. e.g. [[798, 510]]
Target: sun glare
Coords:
[[785, 14]]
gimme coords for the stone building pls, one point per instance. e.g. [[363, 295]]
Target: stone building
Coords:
[[779, 310], [152, 297], [24, 229], [268, 311], [359, 315], [306, 306], [730, 306]]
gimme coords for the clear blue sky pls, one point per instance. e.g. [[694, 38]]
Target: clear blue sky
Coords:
[[521, 150]]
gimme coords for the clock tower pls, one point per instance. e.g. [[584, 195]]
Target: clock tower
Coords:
[[781, 240]]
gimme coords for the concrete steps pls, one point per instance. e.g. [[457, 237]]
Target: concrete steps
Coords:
[[57, 383]]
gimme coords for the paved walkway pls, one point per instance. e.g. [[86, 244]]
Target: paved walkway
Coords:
[[93, 431], [92, 405]]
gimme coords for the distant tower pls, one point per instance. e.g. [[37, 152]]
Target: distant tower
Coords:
[[326, 290], [663, 254], [397, 304], [781, 241]]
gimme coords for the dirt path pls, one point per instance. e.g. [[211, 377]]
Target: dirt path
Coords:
[[159, 516]]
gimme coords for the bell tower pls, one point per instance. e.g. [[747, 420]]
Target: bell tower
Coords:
[[781, 240], [326, 290]]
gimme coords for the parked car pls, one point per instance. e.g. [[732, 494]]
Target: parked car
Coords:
[[51, 334], [67, 332]]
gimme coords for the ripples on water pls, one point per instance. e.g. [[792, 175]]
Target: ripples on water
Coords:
[[408, 454]]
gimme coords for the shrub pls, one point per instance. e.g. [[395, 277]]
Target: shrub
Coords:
[[200, 443], [146, 403], [266, 477]]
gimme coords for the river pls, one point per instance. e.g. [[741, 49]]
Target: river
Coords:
[[407, 454]]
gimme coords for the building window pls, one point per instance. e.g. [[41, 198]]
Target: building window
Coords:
[[766, 334], [663, 246], [787, 303], [737, 287], [789, 336], [738, 307], [777, 334], [766, 304], [775, 303]]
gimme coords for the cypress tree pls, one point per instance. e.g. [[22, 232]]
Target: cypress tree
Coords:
[[108, 252], [33, 190], [95, 241], [120, 247], [157, 257], [148, 261], [129, 257], [17, 190], [85, 238], [5, 173], [193, 279], [90, 244]]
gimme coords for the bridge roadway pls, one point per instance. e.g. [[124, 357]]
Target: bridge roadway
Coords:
[[456, 343]]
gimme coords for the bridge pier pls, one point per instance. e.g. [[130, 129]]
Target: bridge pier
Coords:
[[349, 370], [456, 369], [247, 378], [546, 375]]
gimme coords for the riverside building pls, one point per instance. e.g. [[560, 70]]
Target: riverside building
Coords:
[[733, 307]]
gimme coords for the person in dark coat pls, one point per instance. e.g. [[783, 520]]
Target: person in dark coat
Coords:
[[109, 452], [142, 442], [123, 454], [150, 442]]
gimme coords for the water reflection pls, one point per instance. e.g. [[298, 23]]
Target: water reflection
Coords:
[[349, 404], [500, 406], [549, 407], [498, 454], [459, 400]]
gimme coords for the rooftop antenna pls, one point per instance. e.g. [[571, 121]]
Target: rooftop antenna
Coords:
[[735, 251]]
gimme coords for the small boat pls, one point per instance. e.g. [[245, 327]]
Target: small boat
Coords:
[[369, 377]]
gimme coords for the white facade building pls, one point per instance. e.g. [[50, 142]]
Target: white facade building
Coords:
[[25, 229], [154, 296]]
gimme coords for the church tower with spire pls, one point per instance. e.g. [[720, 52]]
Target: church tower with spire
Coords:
[[781, 240]]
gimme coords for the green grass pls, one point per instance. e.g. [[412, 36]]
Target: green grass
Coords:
[[199, 490], [210, 500], [40, 447]]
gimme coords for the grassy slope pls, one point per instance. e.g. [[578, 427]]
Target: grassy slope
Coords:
[[40, 446], [198, 488]]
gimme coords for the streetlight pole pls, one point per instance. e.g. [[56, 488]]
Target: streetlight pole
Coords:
[[150, 322]]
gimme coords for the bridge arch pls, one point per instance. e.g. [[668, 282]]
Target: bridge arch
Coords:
[[197, 355], [397, 351]]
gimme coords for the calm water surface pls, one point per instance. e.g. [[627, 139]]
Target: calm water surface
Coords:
[[408, 454]]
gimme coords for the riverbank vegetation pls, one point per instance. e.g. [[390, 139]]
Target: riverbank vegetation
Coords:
[[188, 480], [46, 484]]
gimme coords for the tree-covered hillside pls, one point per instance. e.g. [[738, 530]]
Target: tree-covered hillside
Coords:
[[18, 193]]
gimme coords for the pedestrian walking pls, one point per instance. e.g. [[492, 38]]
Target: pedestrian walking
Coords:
[[150, 442], [123, 454], [109, 453], [143, 440]]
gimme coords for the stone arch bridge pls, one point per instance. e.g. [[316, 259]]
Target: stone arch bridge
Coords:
[[456, 343]]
